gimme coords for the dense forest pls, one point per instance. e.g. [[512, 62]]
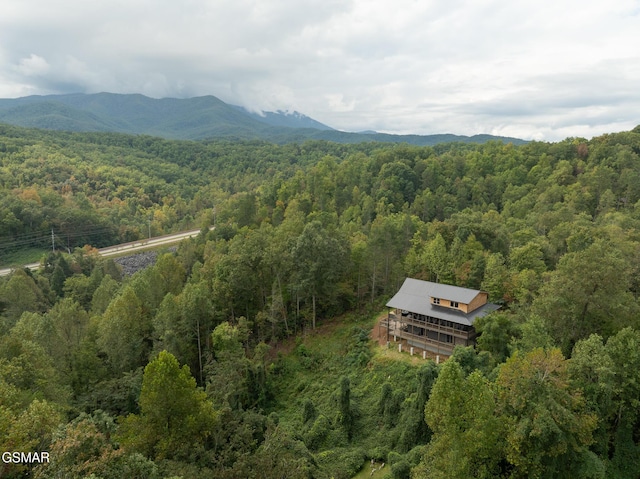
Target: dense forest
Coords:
[[247, 352]]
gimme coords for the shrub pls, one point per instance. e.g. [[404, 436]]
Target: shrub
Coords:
[[401, 470], [342, 463], [318, 433]]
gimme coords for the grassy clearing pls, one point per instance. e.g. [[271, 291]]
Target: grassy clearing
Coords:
[[391, 354], [365, 473], [22, 257]]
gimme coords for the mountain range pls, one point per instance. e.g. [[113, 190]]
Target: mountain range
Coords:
[[197, 118]]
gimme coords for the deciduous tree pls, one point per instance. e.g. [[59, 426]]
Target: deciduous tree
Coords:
[[467, 434], [175, 416], [548, 429], [588, 293]]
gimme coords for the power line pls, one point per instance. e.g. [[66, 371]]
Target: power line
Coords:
[[33, 240], [22, 235], [13, 244], [38, 235]]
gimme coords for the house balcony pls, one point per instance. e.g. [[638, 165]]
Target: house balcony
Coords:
[[421, 341], [426, 334], [468, 335]]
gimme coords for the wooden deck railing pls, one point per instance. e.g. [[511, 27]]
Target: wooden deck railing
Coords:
[[395, 324]]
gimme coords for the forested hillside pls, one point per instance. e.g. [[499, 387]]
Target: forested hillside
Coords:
[[200, 118], [247, 354]]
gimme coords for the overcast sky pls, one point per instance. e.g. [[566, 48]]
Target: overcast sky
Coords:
[[524, 68]]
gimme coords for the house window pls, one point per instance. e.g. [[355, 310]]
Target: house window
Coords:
[[436, 300], [454, 304]]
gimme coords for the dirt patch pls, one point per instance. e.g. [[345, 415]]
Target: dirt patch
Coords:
[[379, 332]]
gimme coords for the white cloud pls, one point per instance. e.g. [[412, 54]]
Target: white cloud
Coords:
[[568, 69], [34, 65]]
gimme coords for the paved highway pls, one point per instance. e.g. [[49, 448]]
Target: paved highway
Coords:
[[127, 248]]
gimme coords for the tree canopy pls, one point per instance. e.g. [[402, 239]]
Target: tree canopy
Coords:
[[207, 361]]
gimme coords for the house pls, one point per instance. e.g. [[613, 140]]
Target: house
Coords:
[[436, 317]]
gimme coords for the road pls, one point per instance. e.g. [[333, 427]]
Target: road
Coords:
[[127, 248]]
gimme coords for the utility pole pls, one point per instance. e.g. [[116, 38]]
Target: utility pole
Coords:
[[53, 241]]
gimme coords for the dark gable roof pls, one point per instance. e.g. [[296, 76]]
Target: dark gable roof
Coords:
[[438, 290], [415, 296]]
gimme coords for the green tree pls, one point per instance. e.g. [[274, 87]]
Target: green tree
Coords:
[[26, 366], [437, 260], [83, 449], [281, 456], [624, 351], [388, 242], [496, 279], [397, 185], [346, 416], [242, 274], [28, 430], [60, 332], [175, 416], [496, 332], [319, 262], [166, 276], [467, 434], [20, 294], [227, 374], [531, 334], [103, 294], [528, 256], [591, 369], [167, 331], [414, 428], [588, 293], [548, 429], [183, 325], [125, 332]]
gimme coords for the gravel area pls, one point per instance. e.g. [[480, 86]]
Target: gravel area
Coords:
[[136, 262]]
